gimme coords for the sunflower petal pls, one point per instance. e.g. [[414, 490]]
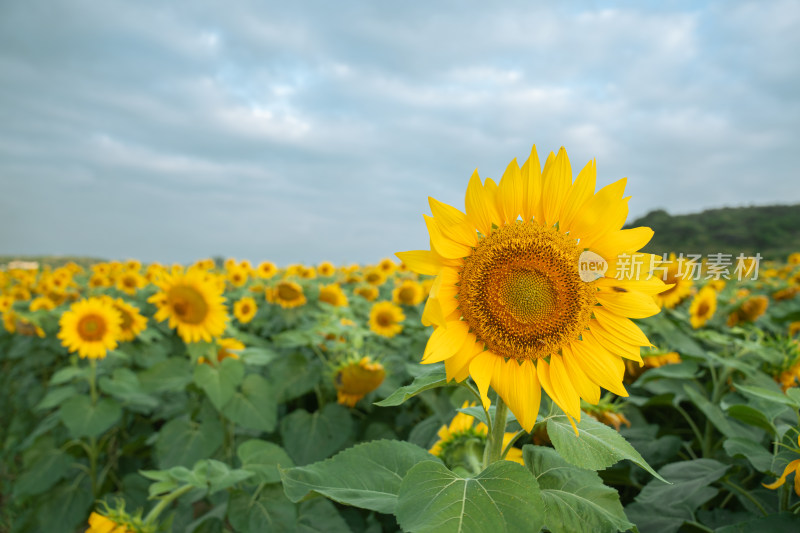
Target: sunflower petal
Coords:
[[482, 368], [557, 181], [584, 386], [423, 262], [445, 341], [532, 185], [444, 213], [561, 382], [629, 304], [511, 193], [579, 193], [442, 245], [519, 387], [615, 345], [601, 213], [622, 327], [598, 364], [480, 206], [791, 467], [457, 366]]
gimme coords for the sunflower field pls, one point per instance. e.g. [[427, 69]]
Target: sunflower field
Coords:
[[487, 383]]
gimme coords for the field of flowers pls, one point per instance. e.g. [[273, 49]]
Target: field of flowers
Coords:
[[249, 398]]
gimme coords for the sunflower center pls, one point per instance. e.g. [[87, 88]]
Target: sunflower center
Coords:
[[385, 319], [188, 304], [287, 292], [702, 309], [521, 292], [406, 295], [91, 328]]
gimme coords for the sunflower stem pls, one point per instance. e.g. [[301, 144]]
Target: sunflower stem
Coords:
[[93, 381], [166, 500], [498, 430]]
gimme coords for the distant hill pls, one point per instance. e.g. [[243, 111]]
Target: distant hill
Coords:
[[51, 260], [772, 230]]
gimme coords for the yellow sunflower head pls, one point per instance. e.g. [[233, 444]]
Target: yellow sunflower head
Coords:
[[333, 295], [355, 378], [193, 304], [703, 307], [287, 294], [326, 269], [245, 309], [749, 311], [387, 266], [462, 443], [785, 294], [375, 277], [132, 324], [409, 292], [130, 281], [237, 275], [90, 327], [511, 304], [678, 277], [368, 292], [42, 302], [386, 319], [225, 348]]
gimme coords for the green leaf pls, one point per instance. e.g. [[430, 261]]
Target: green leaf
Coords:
[[65, 508], [772, 395], [45, 472], [183, 442], [717, 417], [272, 511], [504, 497], [219, 382], [596, 446], [683, 370], [293, 376], [86, 420], [257, 356], [263, 459], [432, 379], [170, 375], [575, 499], [69, 373], [367, 475], [754, 452], [776, 523], [124, 385], [312, 437], [56, 397], [752, 416], [255, 406], [217, 475], [676, 502]]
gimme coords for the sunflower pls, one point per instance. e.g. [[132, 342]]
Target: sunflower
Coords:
[[194, 305], [510, 306], [785, 294], [409, 292], [99, 523], [793, 466], [287, 294], [132, 323], [90, 327], [677, 276], [225, 349], [326, 269], [130, 281], [385, 319], [245, 309], [42, 302], [368, 292], [387, 266], [354, 379], [237, 275], [749, 311], [375, 277], [703, 307], [333, 295], [462, 443]]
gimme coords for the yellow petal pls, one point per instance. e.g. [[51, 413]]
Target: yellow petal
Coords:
[[457, 366], [615, 345], [453, 223], [646, 283], [622, 327], [442, 245], [584, 386], [556, 180], [519, 387], [579, 193], [598, 364], [623, 241], [480, 207], [445, 341], [532, 184], [511, 193], [629, 304], [600, 213], [421, 261], [445, 213], [482, 368], [791, 467], [570, 401]]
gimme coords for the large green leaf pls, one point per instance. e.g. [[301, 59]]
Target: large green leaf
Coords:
[[575, 499], [170, 375], [86, 420], [367, 475], [263, 459], [433, 378], [312, 437], [45, 472], [752, 416], [254, 406], [125, 386], [754, 452], [65, 508], [182, 442], [771, 395], [55, 397], [293, 376], [729, 428], [219, 382], [503, 498], [272, 511], [675, 503], [596, 446]]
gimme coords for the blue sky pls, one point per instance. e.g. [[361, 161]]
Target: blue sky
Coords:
[[309, 131]]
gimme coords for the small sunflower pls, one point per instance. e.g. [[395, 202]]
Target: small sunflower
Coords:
[[42, 302], [237, 275], [287, 294], [225, 348], [90, 327], [785, 294], [386, 319], [375, 277], [130, 281], [333, 295], [99, 523], [245, 309], [677, 274], [132, 323], [326, 269], [703, 307], [194, 305], [354, 379], [368, 292], [409, 293], [750, 310], [387, 266], [462, 443], [510, 306]]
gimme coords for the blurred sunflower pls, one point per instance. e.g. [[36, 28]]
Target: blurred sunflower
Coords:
[[287, 294], [326, 269], [749, 311], [245, 309], [42, 302], [509, 305], [99, 523], [225, 348], [333, 295], [368, 292], [237, 275], [194, 305], [703, 307], [676, 273], [793, 466], [386, 319], [130, 281], [132, 322], [354, 379], [409, 292], [375, 277], [90, 327]]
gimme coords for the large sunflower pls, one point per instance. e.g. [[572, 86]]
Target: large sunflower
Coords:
[[510, 306], [90, 327], [132, 322], [194, 305]]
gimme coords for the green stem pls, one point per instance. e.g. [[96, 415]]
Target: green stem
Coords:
[[516, 436], [746, 494], [498, 430], [93, 381], [165, 501], [93, 465], [692, 425], [699, 526]]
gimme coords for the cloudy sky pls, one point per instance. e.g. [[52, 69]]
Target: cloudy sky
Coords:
[[308, 131]]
